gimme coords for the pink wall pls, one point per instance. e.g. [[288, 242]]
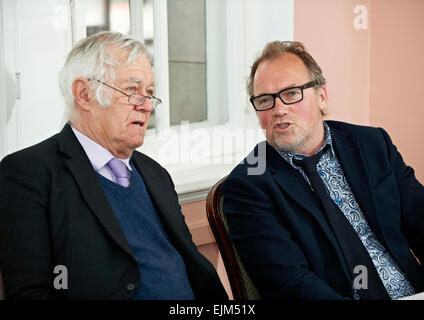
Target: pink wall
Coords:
[[397, 70], [326, 28], [197, 221], [366, 67]]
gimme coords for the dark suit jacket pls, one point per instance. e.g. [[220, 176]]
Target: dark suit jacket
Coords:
[[281, 232], [53, 211]]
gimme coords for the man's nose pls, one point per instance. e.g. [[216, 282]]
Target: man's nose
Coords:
[[146, 106], [280, 108]]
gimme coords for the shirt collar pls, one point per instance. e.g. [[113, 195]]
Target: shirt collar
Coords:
[[289, 156], [97, 154]]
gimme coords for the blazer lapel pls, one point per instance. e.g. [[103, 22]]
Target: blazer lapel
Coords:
[[164, 202], [90, 187], [352, 161], [291, 181]]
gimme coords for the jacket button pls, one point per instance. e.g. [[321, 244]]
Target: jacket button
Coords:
[[130, 286]]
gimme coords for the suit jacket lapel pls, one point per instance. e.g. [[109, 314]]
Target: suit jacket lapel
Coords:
[[90, 187], [352, 161], [291, 181], [165, 205], [296, 187]]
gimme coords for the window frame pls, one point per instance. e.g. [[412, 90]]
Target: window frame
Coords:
[[242, 19], [236, 31], [235, 34], [226, 91]]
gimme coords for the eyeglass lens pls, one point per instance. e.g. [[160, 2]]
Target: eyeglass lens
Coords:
[[137, 99]]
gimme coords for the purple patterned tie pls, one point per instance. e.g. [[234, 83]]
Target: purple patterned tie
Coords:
[[120, 172]]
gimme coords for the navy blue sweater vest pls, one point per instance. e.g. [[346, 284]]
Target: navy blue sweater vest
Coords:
[[163, 272]]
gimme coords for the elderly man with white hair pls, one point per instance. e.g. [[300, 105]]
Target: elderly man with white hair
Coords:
[[85, 216]]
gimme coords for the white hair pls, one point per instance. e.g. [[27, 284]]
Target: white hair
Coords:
[[91, 58]]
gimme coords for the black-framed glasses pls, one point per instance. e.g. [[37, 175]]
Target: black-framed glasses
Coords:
[[134, 98], [287, 96]]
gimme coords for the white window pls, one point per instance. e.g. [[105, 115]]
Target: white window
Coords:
[[202, 52], [200, 152]]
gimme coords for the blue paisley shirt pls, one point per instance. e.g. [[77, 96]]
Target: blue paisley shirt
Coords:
[[328, 167]]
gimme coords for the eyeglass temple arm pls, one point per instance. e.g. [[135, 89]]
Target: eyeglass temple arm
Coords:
[[123, 92], [108, 85], [310, 84]]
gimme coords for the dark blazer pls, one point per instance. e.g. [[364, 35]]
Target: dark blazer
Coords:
[[281, 232], [53, 211]]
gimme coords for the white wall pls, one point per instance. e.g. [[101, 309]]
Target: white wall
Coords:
[[36, 38]]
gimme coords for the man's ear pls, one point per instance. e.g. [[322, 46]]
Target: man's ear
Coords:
[[322, 99], [81, 92]]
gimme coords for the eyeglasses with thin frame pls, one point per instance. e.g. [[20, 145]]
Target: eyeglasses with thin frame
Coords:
[[287, 96], [134, 98]]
